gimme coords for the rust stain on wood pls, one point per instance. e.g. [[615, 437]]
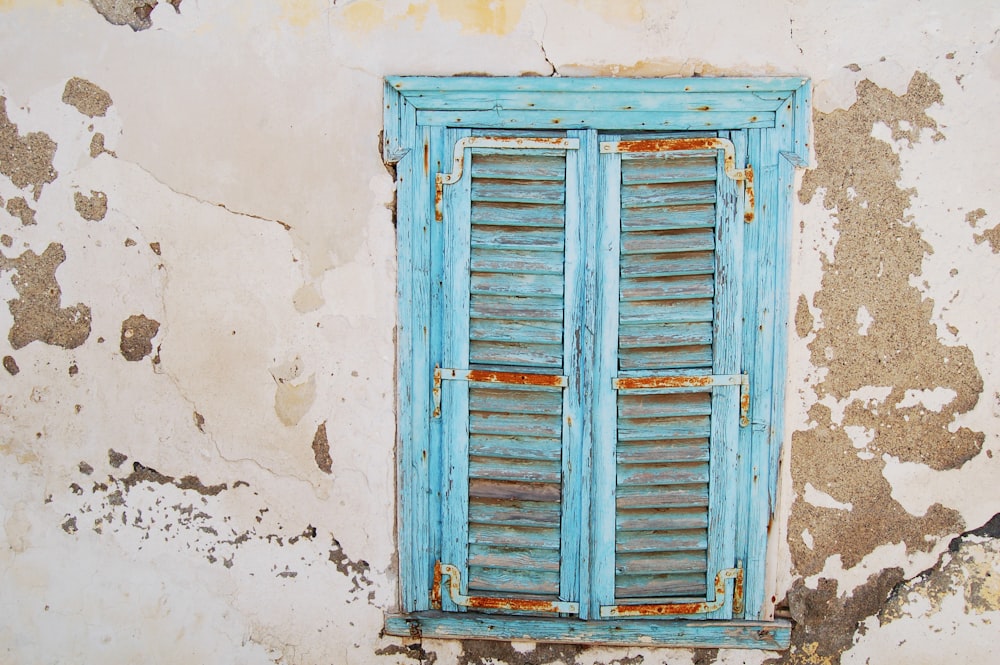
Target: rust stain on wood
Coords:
[[514, 378], [663, 382]]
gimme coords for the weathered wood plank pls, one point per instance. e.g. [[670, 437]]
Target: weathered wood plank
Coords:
[[679, 632]]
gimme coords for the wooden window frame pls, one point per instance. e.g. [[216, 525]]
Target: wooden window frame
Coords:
[[419, 112]]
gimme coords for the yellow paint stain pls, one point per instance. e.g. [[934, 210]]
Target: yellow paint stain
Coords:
[[621, 11], [497, 17], [364, 15], [300, 13], [12, 4]]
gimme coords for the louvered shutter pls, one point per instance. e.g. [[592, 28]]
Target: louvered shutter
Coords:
[[670, 310], [503, 386]]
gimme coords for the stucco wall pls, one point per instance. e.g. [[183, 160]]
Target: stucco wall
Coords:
[[198, 255]]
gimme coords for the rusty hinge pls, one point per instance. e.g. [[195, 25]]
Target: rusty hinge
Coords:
[[495, 142], [668, 381], [442, 570], [490, 376], [666, 609], [688, 144]]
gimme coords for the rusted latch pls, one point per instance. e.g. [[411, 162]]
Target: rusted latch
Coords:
[[690, 144], [489, 376], [497, 143], [676, 381], [442, 570], [668, 609]]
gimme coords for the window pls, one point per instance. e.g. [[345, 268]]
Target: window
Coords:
[[592, 314]]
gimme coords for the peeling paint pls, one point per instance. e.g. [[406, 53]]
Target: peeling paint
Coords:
[[877, 252], [92, 208], [26, 160], [293, 401], [36, 312], [321, 449], [18, 207], [136, 337], [133, 13], [97, 146], [88, 98], [10, 365]]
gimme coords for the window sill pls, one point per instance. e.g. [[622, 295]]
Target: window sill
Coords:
[[773, 635]]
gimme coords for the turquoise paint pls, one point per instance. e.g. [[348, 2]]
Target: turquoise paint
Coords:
[[776, 123]]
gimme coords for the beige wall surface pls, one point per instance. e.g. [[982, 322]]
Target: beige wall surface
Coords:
[[197, 263]]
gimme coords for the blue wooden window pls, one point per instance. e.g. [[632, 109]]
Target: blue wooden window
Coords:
[[592, 321]]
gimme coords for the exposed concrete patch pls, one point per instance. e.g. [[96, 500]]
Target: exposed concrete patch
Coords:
[[6, 240], [137, 334], [321, 449], [97, 146], [88, 98], [25, 160], [356, 571], [703, 656], [488, 652], [991, 235], [36, 312], [413, 651], [18, 207], [969, 568], [115, 458], [92, 208], [133, 13], [804, 320], [877, 253], [10, 365], [825, 622]]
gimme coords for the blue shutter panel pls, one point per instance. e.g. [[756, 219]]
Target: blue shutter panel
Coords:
[[504, 327], [675, 317]]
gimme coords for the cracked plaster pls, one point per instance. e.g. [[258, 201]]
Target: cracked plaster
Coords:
[[306, 269]]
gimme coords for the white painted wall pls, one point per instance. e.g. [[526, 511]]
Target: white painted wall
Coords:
[[245, 141]]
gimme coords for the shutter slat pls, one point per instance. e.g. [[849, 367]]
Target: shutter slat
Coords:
[[514, 512], [521, 307], [656, 562], [645, 336], [517, 261], [675, 167], [667, 288], [490, 488], [518, 191], [486, 556], [515, 447], [516, 311], [669, 473], [513, 581], [662, 541], [525, 215], [493, 534], [520, 400], [528, 471], [516, 167], [678, 357], [658, 242], [667, 269], [666, 311], [665, 496], [668, 217], [688, 263], [670, 587], [667, 194], [525, 332], [662, 519]]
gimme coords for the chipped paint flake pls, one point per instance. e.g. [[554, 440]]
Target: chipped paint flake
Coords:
[[36, 311]]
